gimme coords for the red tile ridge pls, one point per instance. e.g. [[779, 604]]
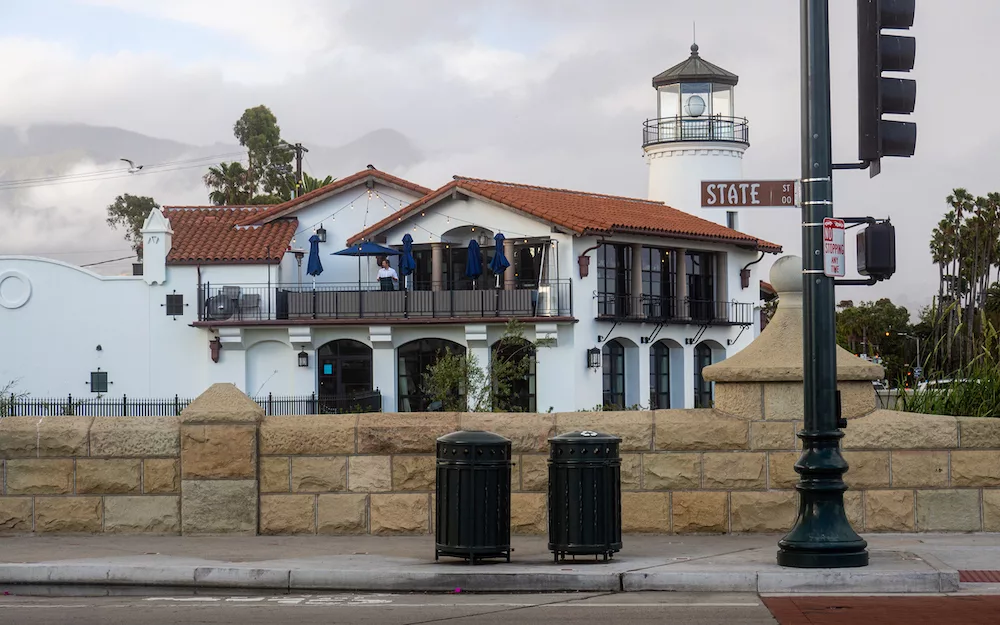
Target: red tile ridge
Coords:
[[279, 210]]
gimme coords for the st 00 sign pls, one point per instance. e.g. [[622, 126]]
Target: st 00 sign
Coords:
[[747, 193], [834, 256]]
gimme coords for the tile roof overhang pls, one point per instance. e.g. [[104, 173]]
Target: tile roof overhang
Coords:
[[205, 235], [581, 213], [284, 209]]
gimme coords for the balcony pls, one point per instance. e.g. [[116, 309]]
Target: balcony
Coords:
[[670, 310], [717, 128], [251, 304]]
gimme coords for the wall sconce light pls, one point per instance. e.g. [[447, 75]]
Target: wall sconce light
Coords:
[[303, 359], [321, 233], [215, 345], [594, 358]]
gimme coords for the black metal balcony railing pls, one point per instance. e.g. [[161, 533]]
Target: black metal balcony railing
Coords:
[[717, 128], [654, 309], [345, 301]]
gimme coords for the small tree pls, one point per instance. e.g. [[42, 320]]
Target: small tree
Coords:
[[460, 383], [8, 396], [130, 212]]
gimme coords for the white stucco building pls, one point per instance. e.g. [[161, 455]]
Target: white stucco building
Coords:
[[637, 294]]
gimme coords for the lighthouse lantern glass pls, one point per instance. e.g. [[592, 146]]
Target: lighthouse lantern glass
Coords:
[[722, 100], [670, 101], [696, 99]]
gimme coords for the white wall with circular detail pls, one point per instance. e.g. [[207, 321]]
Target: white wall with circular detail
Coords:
[[15, 289]]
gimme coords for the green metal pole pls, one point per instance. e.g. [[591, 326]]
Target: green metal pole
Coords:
[[822, 536]]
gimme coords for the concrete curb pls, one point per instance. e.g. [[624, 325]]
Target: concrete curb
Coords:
[[812, 581]]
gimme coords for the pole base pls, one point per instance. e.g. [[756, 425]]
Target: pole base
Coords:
[[815, 560]]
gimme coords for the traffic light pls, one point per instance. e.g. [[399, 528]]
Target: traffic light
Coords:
[[876, 249], [878, 95]]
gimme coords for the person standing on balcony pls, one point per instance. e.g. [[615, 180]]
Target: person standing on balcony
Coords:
[[387, 276]]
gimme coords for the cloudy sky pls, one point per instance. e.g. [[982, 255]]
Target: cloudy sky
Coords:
[[550, 92]]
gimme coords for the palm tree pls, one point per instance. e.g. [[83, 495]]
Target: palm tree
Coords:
[[229, 184], [311, 184]]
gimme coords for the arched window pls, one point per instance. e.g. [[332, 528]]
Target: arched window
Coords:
[[513, 386], [702, 387], [659, 376], [414, 359], [344, 371], [614, 374]]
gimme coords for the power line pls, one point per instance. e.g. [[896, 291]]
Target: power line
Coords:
[[113, 260], [111, 174]]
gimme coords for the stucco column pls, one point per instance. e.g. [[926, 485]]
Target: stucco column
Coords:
[[508, 273], [384, 366], [477, 345], [437, 273], [681, 289], [687, 374], [764, 379], [642, 370], [637, 282], [219, 490]]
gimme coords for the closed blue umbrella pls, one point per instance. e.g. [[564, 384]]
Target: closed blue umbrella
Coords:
[[315, 265], [407, 264], [499, 262], [473, 262]]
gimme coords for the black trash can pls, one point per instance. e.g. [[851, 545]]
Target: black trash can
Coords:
[[473, 496], [585, 497]]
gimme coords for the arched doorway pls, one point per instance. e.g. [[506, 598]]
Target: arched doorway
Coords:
[[705, 354], [517, 394], [413, 360], [613, 370], [345, 372]]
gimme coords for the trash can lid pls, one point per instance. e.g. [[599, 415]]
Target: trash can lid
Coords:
[[585, 436], [473, 437]]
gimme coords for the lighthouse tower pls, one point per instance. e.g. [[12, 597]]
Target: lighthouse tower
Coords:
[[695, 136]]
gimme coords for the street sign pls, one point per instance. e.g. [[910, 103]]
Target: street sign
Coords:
[[747, 193], [834, 257]]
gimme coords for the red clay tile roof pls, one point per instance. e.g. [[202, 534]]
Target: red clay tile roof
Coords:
[[280, 210], [211, 235], [584, 213]]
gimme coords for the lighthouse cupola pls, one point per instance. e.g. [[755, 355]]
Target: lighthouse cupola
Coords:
[[696, 135]]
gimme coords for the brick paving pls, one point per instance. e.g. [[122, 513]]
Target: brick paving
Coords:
[[884, 610]]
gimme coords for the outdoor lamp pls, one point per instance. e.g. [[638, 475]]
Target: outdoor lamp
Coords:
[[303, 359], [321, 233], [594, 358]]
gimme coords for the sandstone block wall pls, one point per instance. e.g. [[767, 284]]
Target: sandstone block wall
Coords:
[[90, 474], [683, 471]]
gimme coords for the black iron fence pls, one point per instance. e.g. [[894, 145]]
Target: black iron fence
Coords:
[[673, 310], [715, 128], [369, 301], [125, 406]]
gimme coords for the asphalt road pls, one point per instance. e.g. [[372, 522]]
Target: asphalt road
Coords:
[[456, 609]]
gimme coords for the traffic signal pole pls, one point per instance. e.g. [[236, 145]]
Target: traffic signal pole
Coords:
[[822, 536]]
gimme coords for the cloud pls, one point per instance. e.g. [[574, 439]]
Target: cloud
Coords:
[[543, 91]]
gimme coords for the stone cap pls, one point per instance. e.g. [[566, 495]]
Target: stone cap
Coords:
[[776, 355], [222, 403]]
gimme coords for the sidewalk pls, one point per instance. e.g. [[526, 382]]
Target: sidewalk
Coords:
[[900, 563]]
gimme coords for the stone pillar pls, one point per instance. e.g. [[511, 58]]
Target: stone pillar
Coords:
[[219, 490], [764, 380], [637, 282], [437, 270], [508, 274]]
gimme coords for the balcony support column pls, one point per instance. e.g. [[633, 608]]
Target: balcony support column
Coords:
[[637, 281], [508, 273], [437, 272], [681, 286]]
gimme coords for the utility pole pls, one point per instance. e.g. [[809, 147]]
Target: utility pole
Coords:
[[822, 536], [299, 149]]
